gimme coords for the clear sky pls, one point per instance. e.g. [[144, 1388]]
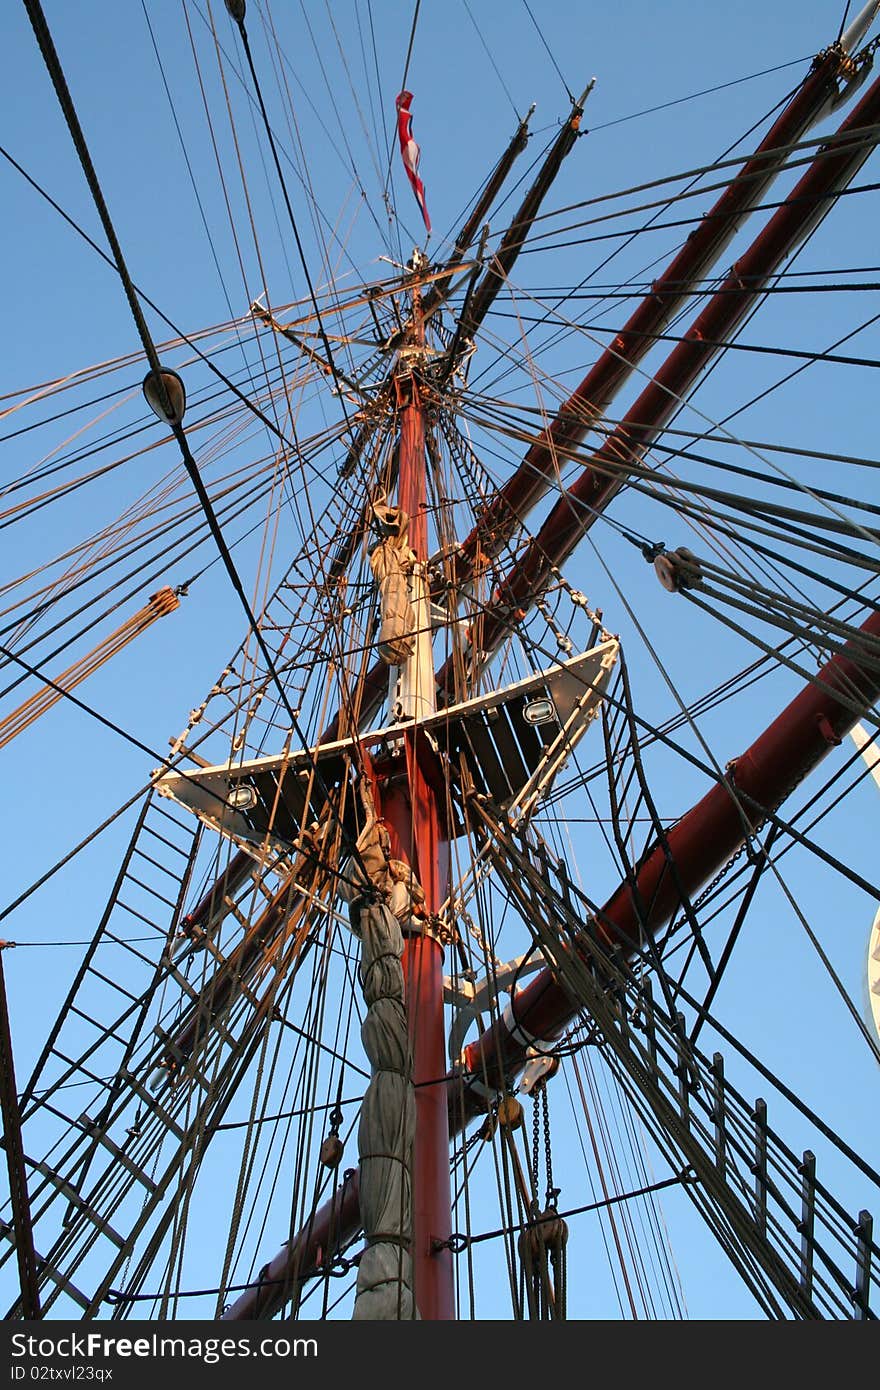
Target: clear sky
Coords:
[[668, 98]]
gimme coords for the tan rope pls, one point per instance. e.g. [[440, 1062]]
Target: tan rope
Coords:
[[165, 601]]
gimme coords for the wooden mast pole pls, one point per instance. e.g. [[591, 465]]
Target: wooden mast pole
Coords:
[[411, 808]]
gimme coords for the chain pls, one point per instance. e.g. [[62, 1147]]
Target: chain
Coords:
[[485, 949], [563, 641], [535, 1144], [552, 1192], [541, 1113]]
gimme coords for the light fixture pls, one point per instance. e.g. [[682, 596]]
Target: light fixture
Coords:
[[541, 711], [175, 393], [241, 798]]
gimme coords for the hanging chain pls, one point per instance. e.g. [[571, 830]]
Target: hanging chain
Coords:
[[552, 1192], [536, 1126]]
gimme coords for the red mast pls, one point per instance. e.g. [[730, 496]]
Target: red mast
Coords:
[[411, 809]]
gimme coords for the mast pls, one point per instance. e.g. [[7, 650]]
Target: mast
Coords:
[[411, 808], [572, 515]]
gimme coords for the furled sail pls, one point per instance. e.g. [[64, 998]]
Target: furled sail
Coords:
[[391, 561], [387, 1125]]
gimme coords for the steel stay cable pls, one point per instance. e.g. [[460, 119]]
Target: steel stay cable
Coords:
[[409, 49], [487, 50], [548, 51], [459, 1242], [192, 178], [299, 246], [708, 91]]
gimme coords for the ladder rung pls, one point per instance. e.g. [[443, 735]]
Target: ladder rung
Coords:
[[160, 810], [100, 1027], [76, 1199], [232, 906], [151, 1102], [154, 892], [79, 1066], [187, 1065], [94, 1130], [195, 997], [142, 854], [184, 853], [114, 984], [260, 882], [140, 916], [46, 1268]]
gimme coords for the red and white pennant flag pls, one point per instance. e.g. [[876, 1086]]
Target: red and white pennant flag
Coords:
[[410, 152]]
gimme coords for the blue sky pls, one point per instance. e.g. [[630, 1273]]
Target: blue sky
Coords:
[[63, 309]]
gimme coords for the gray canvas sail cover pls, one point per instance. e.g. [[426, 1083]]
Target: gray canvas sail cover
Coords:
[[391, 561], [387, 1124]]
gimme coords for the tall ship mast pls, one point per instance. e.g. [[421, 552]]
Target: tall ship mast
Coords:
[[444, 946]]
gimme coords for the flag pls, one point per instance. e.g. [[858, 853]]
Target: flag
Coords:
[[410, 152]]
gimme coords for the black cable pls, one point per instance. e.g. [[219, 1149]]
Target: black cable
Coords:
[[547, 48], [706, 92], [50, 56], [80, 704], [830, 197], [299, 246]]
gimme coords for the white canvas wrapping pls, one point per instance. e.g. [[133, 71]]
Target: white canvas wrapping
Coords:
[[391, 563]]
